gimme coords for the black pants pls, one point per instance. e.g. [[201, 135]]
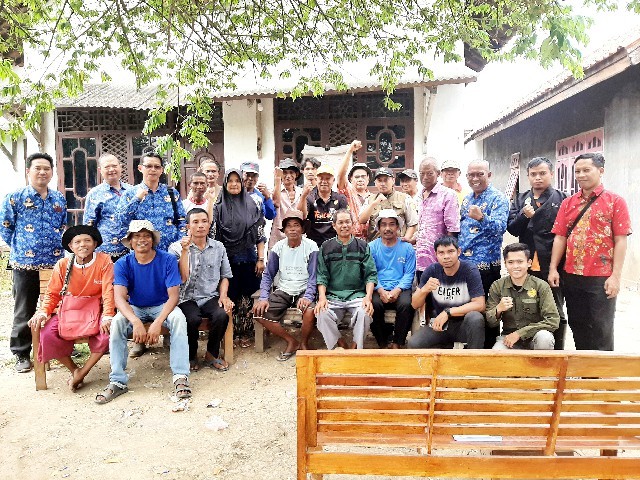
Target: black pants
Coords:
[[218, 321], [489, 276], [590, 312], [26, 290], [558, 296], [404, 318]]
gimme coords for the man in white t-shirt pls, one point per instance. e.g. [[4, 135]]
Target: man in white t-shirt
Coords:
[[291, 269], [197, 189]]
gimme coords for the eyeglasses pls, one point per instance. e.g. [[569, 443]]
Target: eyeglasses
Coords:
[[152, 167]]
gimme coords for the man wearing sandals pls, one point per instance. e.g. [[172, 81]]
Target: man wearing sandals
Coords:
[[147, 289], [205, 271]]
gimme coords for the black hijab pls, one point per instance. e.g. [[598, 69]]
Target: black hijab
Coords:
[[237, 218]]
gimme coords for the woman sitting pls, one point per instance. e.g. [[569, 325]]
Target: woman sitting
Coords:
[[91, 276]]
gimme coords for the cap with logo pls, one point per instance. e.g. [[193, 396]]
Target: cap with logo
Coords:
[[408, 173], [250, 167], [384, 171]]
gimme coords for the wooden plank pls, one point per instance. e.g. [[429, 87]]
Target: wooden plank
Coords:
[[550, 447], [602, 431], [301, 450], [397, 429], [371, 439], [603, 384], [511, 430], [38, 367], [409, 365], [530, 467], [601, 407], [500, 395], [591, 419], [442, 418], [496, 382], [493, 406], [500, 365], [369, 416], [306, 374], [625, 396], [607, 365], [382, 404], [374, 380], [374, 392]]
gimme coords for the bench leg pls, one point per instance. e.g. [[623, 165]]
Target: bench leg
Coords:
[[228, 342], [259, 336], [38, 367]]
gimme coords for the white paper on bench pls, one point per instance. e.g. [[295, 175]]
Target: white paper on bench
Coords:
[[477, 438]]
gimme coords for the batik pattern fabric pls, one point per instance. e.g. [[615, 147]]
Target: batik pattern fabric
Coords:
[[481, 240], [33, 227], [100, 208]]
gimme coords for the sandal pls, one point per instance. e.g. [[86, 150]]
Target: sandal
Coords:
[[194, 365], [112, 391], [182, 387], [284, 356], [245, 342], [217, 363]]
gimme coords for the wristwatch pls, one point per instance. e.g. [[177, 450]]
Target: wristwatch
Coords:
[[448, 312]]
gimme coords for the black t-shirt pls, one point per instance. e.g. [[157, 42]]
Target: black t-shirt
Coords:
[[320, 214], [456, 290]]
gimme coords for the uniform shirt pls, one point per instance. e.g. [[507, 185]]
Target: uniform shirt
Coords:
[[206, 268], [439, 214], [403, 206], [481, 240], [157, 208], [455, 290], [292, 270], [396, 265], [147, 284], [100, 211], [345, 269], [534, 308], [590, 246], [320, 213], [33, 227]]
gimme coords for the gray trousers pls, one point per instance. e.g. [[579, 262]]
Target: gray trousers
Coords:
[[469, 330], [542, 340], [329, 319]]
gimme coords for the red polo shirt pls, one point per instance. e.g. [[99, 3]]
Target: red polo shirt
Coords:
[[590, 245]]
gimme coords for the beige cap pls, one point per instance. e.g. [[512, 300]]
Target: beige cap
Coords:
[[450, 164], [136, 226]]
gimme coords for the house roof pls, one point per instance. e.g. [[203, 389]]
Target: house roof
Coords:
[[612, 58], [356, 76]]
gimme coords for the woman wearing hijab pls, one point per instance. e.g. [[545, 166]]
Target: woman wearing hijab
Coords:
[[238, 223], [91, 276]]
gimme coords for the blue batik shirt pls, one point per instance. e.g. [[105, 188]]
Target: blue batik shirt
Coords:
[[157, 208], [100, 211], [33, 227], [481, 241], [268, 208]]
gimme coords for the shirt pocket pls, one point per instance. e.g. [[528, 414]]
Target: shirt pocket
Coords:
[[530, 309], [209, 272]]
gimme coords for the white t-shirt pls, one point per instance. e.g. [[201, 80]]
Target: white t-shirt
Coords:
[[293, 274]]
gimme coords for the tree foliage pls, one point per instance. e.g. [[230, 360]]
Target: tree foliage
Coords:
[[200, 46]]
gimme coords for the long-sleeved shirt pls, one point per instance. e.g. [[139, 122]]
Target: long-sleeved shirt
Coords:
[[33, 227], [157, 208], [481, 240], [100, 211], [534, 308], [268, 208], [345, 269], [292, 270], [396, 265], [93, 279]]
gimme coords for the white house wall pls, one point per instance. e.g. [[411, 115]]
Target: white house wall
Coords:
[[445, 132]]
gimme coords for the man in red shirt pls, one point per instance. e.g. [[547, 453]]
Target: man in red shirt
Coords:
[[591, 229]]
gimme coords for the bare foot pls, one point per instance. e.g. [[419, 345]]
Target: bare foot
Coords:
[[304, 346], [353, 346], [75, 382]]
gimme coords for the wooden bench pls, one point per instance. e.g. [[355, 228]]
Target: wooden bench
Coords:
[[468, 414], [40, 369]]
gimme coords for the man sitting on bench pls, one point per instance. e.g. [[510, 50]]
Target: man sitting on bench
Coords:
[[205, 273], [294, 260], [524, 303], [346, 279], [457, 297], [147, 288]]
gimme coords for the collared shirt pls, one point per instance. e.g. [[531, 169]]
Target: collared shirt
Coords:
[[590, 246], [100, 211], [356, 202], [285, 205], [33, 227], [481, 240], [206, 268], [534, 308], [396, 265], [402, 204], [157, 208], [439, 214], [319, 214]]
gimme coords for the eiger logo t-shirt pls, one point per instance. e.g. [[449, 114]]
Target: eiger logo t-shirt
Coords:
[[456, 290]]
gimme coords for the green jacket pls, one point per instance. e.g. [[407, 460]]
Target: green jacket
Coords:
[[533, 307]]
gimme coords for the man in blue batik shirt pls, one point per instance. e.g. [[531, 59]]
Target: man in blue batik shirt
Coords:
[[250, 175], [33, 220], [483, 221], [101, 203], [151, 200]]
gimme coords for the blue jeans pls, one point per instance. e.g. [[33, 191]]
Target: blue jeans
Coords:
[[121, 329]]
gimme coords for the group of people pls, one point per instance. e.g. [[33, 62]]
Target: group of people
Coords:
[[336, 252]]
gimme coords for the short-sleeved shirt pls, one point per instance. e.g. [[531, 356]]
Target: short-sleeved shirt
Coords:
[[147, 284], [589, 249], [454, 290], [319, 213], [100, 211], [396, 265], [355, 202], [402, 204]]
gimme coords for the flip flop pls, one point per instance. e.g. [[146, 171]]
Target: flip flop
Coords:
[[216, 364], [112, 391], [245, 343], [284, 356]]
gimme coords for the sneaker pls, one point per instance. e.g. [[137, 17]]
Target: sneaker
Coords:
[[138, 350], [23, 364]]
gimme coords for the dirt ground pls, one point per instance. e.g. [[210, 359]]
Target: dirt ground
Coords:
[[59, 434]]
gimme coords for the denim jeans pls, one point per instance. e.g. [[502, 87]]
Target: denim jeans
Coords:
[[121, 328]]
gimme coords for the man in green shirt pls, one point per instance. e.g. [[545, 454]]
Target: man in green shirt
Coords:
[[346, 279], [524, 303]]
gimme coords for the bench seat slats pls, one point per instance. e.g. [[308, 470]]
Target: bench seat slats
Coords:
[[376, 366], [500, 395], [626, 396], [382, 404], [493, 406], [414, 416], [376, 392], [517, 366], [353, 427], [598, 384], [490, 417], [498, 382], [604, 407], [593, 367], [374, 380]]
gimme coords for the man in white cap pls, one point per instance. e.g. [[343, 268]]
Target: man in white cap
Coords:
[[318, 204], [396, 265], [450, 172], [250, 176], [409, 184], [147, 289], [291, 269]]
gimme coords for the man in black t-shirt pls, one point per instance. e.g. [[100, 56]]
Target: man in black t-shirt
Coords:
[[457, 297]]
